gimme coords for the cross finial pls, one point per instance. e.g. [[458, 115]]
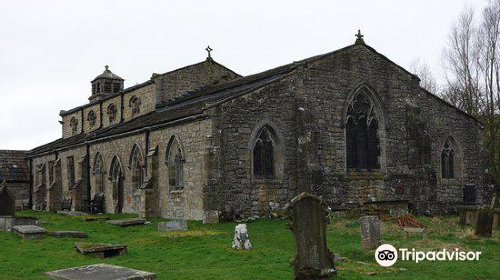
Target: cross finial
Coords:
[[359, 38], [209, 49]]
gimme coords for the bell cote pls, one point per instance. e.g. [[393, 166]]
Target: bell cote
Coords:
[[105, 85]]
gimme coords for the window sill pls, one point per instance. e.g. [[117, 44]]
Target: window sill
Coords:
[[266, 181], [375, 174], [177, 191]]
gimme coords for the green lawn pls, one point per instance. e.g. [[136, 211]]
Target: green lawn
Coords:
[[204, 252]]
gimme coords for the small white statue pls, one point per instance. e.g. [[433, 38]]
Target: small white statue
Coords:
[[241, 238]]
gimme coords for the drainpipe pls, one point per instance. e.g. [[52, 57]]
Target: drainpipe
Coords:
[[88, 176], [146, 153], [122, 106], [100, 113], [82, 120], [30, 203]]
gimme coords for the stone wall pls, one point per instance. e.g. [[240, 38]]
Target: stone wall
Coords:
[[66, 124], [308, 109], [234, 191], [178, 82], [41, 181], [194, 140], [122, 149], [97, 112], [147, 95]]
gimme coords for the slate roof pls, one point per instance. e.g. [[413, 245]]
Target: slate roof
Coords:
[[138, 124], [14, 166]]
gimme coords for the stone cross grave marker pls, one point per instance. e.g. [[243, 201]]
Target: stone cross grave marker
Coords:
[[313, 259], [370, 232], [7, 201]]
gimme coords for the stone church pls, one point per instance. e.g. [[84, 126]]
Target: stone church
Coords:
[[202, 142]]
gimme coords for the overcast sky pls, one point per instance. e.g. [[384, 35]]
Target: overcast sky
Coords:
[[51, 50]]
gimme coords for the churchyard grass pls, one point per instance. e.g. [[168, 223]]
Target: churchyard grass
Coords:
[[204, 251]]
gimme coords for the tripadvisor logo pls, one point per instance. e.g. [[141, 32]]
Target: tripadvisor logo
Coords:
[[387, 255]]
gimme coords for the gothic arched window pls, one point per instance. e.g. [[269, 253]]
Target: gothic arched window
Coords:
[[175, 162], [112, 113], [136, 163], [91, 118], [99, 172], [448, 161], [135, 105], [263, 155], [74, 125], [362, 141]]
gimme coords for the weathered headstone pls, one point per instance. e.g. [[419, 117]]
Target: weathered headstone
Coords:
[[127, 222], [101, 250], [495, 202], [484, 224], [68, 233], [100, 272], [313, 259], [370, 232], [29, 232], [7, 201], [173, 225], [241, 239]]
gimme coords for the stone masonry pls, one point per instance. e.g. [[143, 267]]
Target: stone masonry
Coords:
[[199, 137]]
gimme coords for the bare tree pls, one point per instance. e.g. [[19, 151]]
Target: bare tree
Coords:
[[423, 71], [472, 70], [460, 64], [488, 43]]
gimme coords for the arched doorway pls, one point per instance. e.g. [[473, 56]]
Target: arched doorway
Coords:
[[116, 177]]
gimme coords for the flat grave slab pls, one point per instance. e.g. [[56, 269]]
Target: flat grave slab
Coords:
[[180, 225], [100, 272], [101, 250], [29, 231], [127, 222], [68, 233], [91, 218], [72, 213]]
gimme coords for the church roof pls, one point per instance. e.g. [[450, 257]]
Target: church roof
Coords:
[[190, 105], [13, 166], [107, 74]]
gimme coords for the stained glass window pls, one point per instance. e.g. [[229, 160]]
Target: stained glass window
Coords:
[[263, 155], [362, 141]]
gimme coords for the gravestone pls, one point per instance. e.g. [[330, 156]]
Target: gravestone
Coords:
[[370, 232], [313, 259], [8, 222], [100, 272], [241, 239], [173, 225], [7, 201], [101, 250], [68, 233], [71, 213], [127, 222], [495, 202], [484, 224], [95, 218], [29, 232]]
